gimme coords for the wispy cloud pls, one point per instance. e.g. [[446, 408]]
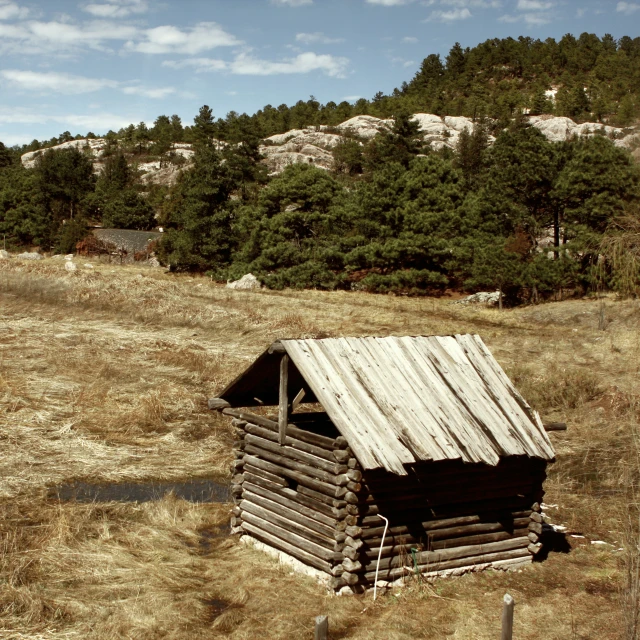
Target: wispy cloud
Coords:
[[68, 84], [169, 39], [245, 64], [57, 37], [291, 3], [534, 5], [99, 121], [316, 38], [389, 3], [627, 7], [116, 8], [149, 92], [199, 64], [474, 4], [409, 40], [533, 19], [12, 11], [403, 62], [34, 37], [54, 82], [449, 16], [333, 66]]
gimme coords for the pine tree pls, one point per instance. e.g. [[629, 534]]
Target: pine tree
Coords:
[[204, 125], [199, 227]]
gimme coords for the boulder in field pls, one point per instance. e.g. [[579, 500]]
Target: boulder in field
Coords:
[[248, 282]]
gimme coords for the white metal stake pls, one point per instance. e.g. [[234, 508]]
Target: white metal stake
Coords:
[[375, 584]]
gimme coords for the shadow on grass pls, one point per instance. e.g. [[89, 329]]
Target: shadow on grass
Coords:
[[552, 542]]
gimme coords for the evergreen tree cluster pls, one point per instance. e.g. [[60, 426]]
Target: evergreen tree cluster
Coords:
[[524, 216]]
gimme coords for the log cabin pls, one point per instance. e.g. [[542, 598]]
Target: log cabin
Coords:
[[387, 457]]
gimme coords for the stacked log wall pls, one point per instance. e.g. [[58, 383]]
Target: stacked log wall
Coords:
[[448, 516], [294, 497], [310, 499]]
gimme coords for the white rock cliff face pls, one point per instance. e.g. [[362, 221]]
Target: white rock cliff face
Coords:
[[313, 145]]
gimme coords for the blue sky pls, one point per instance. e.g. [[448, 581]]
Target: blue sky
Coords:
[[96, 65]]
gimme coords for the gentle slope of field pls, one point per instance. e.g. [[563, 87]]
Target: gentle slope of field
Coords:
[[104, 376]]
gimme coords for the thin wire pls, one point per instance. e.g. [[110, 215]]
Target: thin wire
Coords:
[[375, 584]]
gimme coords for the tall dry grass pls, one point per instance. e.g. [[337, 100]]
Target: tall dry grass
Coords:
[[104, 376]]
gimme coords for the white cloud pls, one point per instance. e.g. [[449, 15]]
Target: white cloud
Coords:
[[627, 7], [316, 38], [68, 84], [351, 98], [291, 3], [389, 3], [29, 38], [409, 40], [403, 62], [199, 64], [480, 4], [534, 5], [169, 39], [54, 82], [116, 8], [449, 16], [145, 92], [533, 19], [332, 66], [245, 64], [99, 122], [10, 139], [12, 11]]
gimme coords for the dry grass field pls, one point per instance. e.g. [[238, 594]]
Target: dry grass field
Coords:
[[104, 376]]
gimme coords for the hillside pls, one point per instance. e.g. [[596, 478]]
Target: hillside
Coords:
[[478, 174], [105, 377], [313, 145]]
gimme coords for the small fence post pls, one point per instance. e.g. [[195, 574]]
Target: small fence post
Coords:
[[507, 617], [322, 628]]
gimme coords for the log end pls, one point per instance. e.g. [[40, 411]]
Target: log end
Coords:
[[216, 404]]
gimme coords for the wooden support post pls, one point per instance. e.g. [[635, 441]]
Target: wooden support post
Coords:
[[507, 618], [322, 628], [298, 399], [283, 409]]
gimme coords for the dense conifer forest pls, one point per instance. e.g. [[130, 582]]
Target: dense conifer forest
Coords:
[[523, 215]]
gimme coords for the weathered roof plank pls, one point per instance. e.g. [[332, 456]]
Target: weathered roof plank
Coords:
[[399, 400]]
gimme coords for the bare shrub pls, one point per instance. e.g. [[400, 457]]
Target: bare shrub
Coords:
[[620, 246]]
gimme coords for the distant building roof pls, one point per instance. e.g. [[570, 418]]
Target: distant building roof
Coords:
[[129, 240], [400, 400]]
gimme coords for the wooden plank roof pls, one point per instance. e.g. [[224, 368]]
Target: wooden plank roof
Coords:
[[400, 400]]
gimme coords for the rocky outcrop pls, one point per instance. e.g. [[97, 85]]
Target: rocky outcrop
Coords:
[[29, 256], [313, 145], [489, 298], [365, 127], [94, 147]]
